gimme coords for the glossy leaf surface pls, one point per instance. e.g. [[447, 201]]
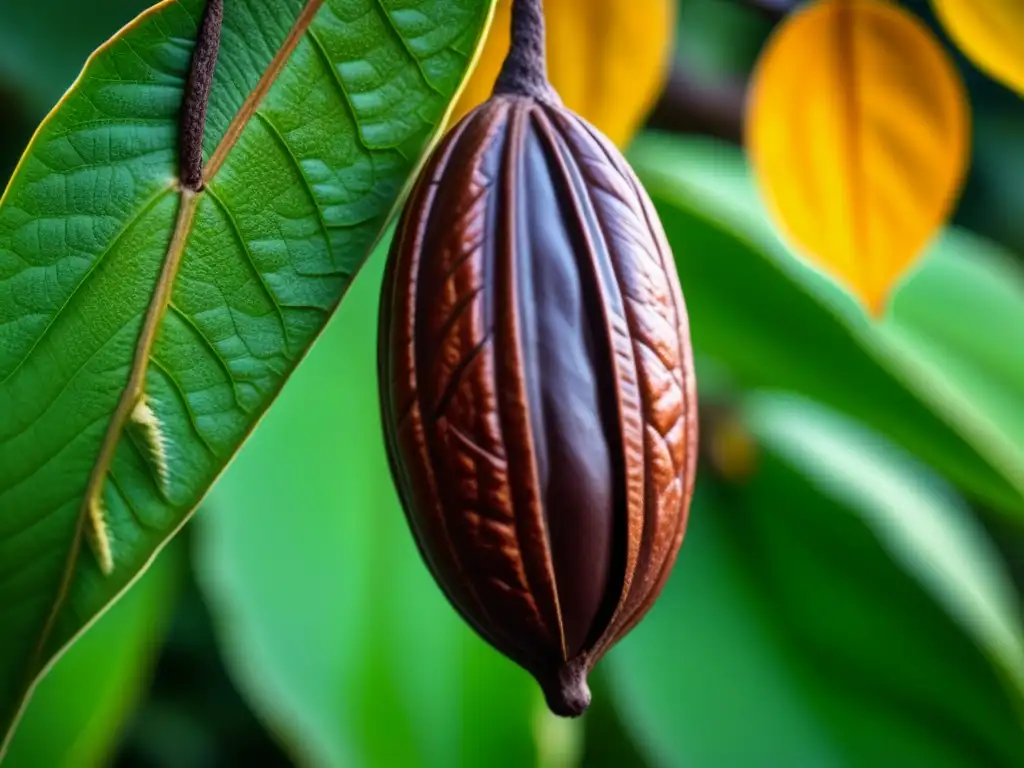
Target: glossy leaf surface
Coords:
[[990, 33], [858, 133], [820, 589], [346, 647], [608, 59], [318, 114], [941, 376], [78, 712]]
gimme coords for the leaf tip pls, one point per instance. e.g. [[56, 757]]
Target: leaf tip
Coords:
[[876, 303]]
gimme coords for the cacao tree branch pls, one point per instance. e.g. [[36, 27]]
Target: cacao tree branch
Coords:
[[690, 104], [773, 10]]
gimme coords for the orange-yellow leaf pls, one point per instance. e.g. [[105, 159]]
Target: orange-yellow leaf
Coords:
[[607, 58], [857, 130], [991, 33]]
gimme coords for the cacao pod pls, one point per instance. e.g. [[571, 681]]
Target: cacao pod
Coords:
[[537, 389]]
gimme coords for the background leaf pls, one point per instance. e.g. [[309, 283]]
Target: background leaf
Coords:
[[300, 182], [802, 615], [345, 645], [989, 32], [858, 135], [918, 521], [42, 47], [773, 322], [608, 59], [43, 43], [79, 709]]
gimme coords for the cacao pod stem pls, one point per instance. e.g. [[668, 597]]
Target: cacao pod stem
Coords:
[[525, 70]]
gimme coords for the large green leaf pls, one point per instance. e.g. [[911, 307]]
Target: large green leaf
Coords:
[[79, 709], [942, 375], [840, 608], [319, 113], [330, 622]]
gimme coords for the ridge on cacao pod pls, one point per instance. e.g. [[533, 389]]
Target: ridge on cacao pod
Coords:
[[537, 388]]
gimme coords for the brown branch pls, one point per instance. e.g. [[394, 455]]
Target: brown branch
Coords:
[[773, 10], [690, 104]]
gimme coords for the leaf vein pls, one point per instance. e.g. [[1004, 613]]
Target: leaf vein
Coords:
[[207, 342], [336, 78], [251, 261], [405, 46], [128, 502], [290, 154], [176, 385], [152, 203]]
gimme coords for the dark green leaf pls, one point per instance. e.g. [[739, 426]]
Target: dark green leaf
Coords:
[[608, 743], [841, 608], [959, 325], [331, 623], [919, 522], [79, 709], [940, 376], [95, 312], [43, 43]]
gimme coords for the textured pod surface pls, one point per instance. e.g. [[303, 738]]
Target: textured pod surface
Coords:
[[537, 387]]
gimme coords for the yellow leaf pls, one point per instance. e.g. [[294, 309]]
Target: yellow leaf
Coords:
[[991, 33], [858, 131], [607, 58]]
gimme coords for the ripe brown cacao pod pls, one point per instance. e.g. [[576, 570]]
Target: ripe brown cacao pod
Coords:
[[537, 387]]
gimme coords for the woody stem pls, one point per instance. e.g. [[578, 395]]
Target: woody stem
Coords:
[[525, 70]]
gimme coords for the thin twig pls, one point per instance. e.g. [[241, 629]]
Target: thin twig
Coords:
[[773, 10], [690, 104]]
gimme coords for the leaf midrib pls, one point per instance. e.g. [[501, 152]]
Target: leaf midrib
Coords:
[[267, 79], [853, 153]]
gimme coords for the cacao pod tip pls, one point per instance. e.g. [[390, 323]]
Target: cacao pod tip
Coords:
[[566, 691]]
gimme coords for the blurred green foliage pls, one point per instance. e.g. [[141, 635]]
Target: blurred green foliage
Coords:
[[835, 586], [937, 374], [44, 43], [845, 599], [79, 709], [344, 644]]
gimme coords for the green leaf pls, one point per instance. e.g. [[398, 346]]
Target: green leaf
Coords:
[[840, 608], [43, 43], [144, 329], [941, 375], [330, 623], [959, 325], [608, 742], [919, 522], [79, 709]]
